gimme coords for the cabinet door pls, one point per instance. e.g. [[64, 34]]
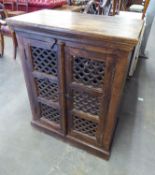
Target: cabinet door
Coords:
[[89, 80], [45, 88]]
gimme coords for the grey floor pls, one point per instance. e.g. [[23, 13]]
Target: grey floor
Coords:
[[27, 151]]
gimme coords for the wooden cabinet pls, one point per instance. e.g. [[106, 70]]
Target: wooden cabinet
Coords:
[[75, 79]]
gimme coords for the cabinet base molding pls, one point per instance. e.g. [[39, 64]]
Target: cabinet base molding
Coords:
[[71, 140]]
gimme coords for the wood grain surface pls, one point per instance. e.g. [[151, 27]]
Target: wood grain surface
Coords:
[[103, 27]]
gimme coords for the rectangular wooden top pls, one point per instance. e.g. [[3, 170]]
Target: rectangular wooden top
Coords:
[[100, 27]]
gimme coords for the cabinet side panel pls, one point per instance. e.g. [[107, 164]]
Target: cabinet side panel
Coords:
[[117, 89]]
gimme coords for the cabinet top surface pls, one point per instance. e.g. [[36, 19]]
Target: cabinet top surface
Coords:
[[101, 27]]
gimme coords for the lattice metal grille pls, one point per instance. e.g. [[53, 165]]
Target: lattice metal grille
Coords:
[[50, 113], [44, 60], [85, 102], [84, 126], [47, 89], [88, 72]]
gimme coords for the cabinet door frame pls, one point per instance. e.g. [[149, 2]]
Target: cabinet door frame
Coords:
[[32, 74], [103, 93]]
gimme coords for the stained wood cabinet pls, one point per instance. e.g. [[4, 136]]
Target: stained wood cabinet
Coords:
[[74, 78]]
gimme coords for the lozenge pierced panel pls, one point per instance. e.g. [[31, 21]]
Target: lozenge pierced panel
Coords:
[[88, 72], [85, 102], [84, 126], [50, 113], [47, 89], [44, 60]]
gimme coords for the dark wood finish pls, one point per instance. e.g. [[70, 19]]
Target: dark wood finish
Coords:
[[75, 73], [5, 30]]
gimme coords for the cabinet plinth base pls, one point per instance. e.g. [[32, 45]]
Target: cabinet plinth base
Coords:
[[71, 140]]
